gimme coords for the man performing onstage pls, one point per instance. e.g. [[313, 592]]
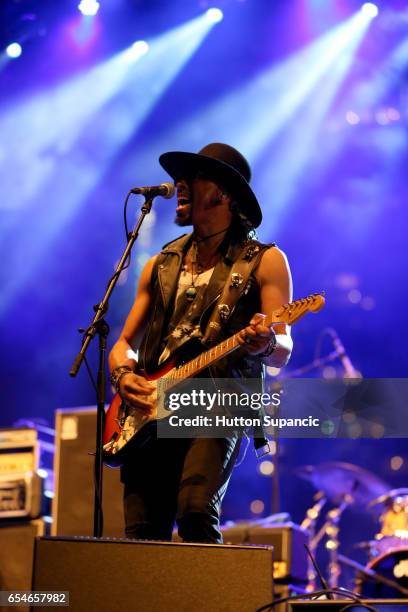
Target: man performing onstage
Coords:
[[184, 480]]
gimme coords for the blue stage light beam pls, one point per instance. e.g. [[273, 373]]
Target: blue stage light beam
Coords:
[[369, 94], [4, 60], [363, 101], [301, 146], [63, 140], [272, 101]]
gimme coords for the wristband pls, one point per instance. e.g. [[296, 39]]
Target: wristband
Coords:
[[118, 373], [270, 348]]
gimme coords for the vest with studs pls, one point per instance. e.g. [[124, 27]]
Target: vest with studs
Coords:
[[175, 319]]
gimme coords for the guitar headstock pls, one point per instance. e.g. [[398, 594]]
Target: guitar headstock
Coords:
[[290, 313]]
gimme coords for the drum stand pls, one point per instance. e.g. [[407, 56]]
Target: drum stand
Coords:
[[332, 544], [330, 530], [309, 523]]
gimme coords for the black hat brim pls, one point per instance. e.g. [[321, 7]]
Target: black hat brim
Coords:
[[179, 164]]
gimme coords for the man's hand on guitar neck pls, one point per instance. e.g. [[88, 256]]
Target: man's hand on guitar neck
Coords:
[[137, 392], [257, 337]]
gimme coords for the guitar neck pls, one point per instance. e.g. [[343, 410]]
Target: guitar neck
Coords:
[[288, 314], [202, 361]]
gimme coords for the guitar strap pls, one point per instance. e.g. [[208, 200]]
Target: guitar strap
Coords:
[[237, 284]]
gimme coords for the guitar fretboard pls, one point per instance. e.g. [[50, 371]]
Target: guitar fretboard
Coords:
[[199, 363]]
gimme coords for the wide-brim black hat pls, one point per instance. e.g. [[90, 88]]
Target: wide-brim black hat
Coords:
[[225, 165]]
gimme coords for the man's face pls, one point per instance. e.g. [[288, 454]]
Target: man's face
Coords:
[[197, 199]]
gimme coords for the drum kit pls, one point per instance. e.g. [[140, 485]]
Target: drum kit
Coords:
[[385, 574]]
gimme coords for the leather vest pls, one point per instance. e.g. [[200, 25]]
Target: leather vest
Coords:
[[164, 282]]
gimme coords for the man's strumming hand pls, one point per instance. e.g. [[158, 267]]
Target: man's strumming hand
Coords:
[[137, 392]]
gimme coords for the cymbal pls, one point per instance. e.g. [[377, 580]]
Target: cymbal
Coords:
[[337, 479], [389, 496]]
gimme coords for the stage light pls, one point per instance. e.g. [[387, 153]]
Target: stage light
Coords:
[[141, 47], [352, 118], [257, 506], [89, 8], [14, 50], [214, 15], [266, 468], [396, 463], [370, 10], [136, 51]]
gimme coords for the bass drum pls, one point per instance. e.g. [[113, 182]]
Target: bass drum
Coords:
[[392, 565]]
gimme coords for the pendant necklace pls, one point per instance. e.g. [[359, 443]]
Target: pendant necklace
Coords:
[[191, 292]]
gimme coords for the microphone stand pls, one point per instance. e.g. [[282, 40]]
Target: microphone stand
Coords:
[[316, 363], [100, 327]]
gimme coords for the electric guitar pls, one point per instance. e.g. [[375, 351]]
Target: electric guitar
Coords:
[[125, 427]]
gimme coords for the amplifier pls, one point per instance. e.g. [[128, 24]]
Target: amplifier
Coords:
[[21, 487], [19, 451], [16, 558], [118, 575], [73, 504], [21, 495], [287, 539]]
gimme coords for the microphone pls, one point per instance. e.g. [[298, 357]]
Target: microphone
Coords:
[[349, 369], [166, 190]]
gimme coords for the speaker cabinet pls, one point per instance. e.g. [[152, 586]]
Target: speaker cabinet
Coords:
[[288, 542], [16, 558], [73, 503], [117, 575]]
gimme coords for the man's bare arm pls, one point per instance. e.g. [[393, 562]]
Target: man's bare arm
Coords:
[[133, 387], [135, 324], [275, 281]]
